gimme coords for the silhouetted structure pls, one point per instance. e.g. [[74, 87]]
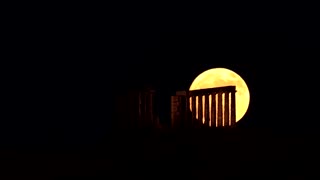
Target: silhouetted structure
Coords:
[[136, 109], [212, 107]]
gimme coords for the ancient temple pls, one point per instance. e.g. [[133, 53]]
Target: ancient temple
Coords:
[[212, 107]]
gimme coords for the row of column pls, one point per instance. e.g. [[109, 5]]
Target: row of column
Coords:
[[220, 114]]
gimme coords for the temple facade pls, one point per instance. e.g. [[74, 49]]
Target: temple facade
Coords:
[[212, 107]]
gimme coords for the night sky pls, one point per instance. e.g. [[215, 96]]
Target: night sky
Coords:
[[63, 67], [65, 93]]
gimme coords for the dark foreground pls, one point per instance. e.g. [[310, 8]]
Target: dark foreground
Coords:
[[196, 154]]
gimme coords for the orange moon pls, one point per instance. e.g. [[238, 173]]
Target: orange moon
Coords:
[[218, 77]]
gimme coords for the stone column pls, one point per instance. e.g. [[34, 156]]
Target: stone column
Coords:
[[193, 109], [233, 108], [226, 109], [136, 109], [206, 110], [219, 109], [174, 110], [213, 110], [186, 116], [200, 112], [146, 108], [140, 109], [151, 108], [131, 111]]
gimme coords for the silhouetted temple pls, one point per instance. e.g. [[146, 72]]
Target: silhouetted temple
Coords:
[[212, 107]]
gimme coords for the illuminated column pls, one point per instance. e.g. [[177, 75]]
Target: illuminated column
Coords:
[[233, 108], [226, 109], [193, 109], [206, 110], [213, 110], [219, 109], [200, 112]]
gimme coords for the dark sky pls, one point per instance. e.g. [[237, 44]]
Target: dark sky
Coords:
[[60, 90]]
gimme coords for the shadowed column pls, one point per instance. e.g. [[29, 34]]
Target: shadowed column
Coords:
[[145, 109], [213, 110], [206, 110], [193, 101], [226, 109], [137, 109], [140, 109], [133, 110], [175, 120], [151, 107], [219, 109], [233, 108], [187, 110], [200, 112]]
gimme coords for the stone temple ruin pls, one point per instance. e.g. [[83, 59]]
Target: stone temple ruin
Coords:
[[212, 107]]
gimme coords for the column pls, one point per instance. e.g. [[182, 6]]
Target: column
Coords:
[[200, 112], [136, 109], [219, 109], [140, 109], [213, 110], [186, 115], [193, 109], [151, 108], [132, 109], [206, 110], [145, 108], [233, 108], [226, 109], [174, 102]]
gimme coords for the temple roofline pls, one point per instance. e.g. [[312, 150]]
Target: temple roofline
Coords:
[[210, 90]]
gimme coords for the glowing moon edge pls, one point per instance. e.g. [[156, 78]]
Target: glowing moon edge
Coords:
[[218, 77]]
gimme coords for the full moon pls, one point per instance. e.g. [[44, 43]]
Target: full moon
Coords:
[[218, 77]]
